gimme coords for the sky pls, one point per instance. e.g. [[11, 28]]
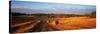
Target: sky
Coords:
[[29, 7], [83, 2]]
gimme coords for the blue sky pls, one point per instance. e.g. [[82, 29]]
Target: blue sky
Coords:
[[44, 7]]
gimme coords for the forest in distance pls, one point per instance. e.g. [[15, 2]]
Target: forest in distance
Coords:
[[92, 14]]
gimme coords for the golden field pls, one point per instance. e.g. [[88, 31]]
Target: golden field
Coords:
[[74, 23]]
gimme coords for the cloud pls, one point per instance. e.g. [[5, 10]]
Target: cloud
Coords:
[[51, 10]]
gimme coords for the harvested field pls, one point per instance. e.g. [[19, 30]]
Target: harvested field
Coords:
[[74, 23]]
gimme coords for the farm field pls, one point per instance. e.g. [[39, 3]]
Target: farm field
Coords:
[[36, 24], [74, 23]]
